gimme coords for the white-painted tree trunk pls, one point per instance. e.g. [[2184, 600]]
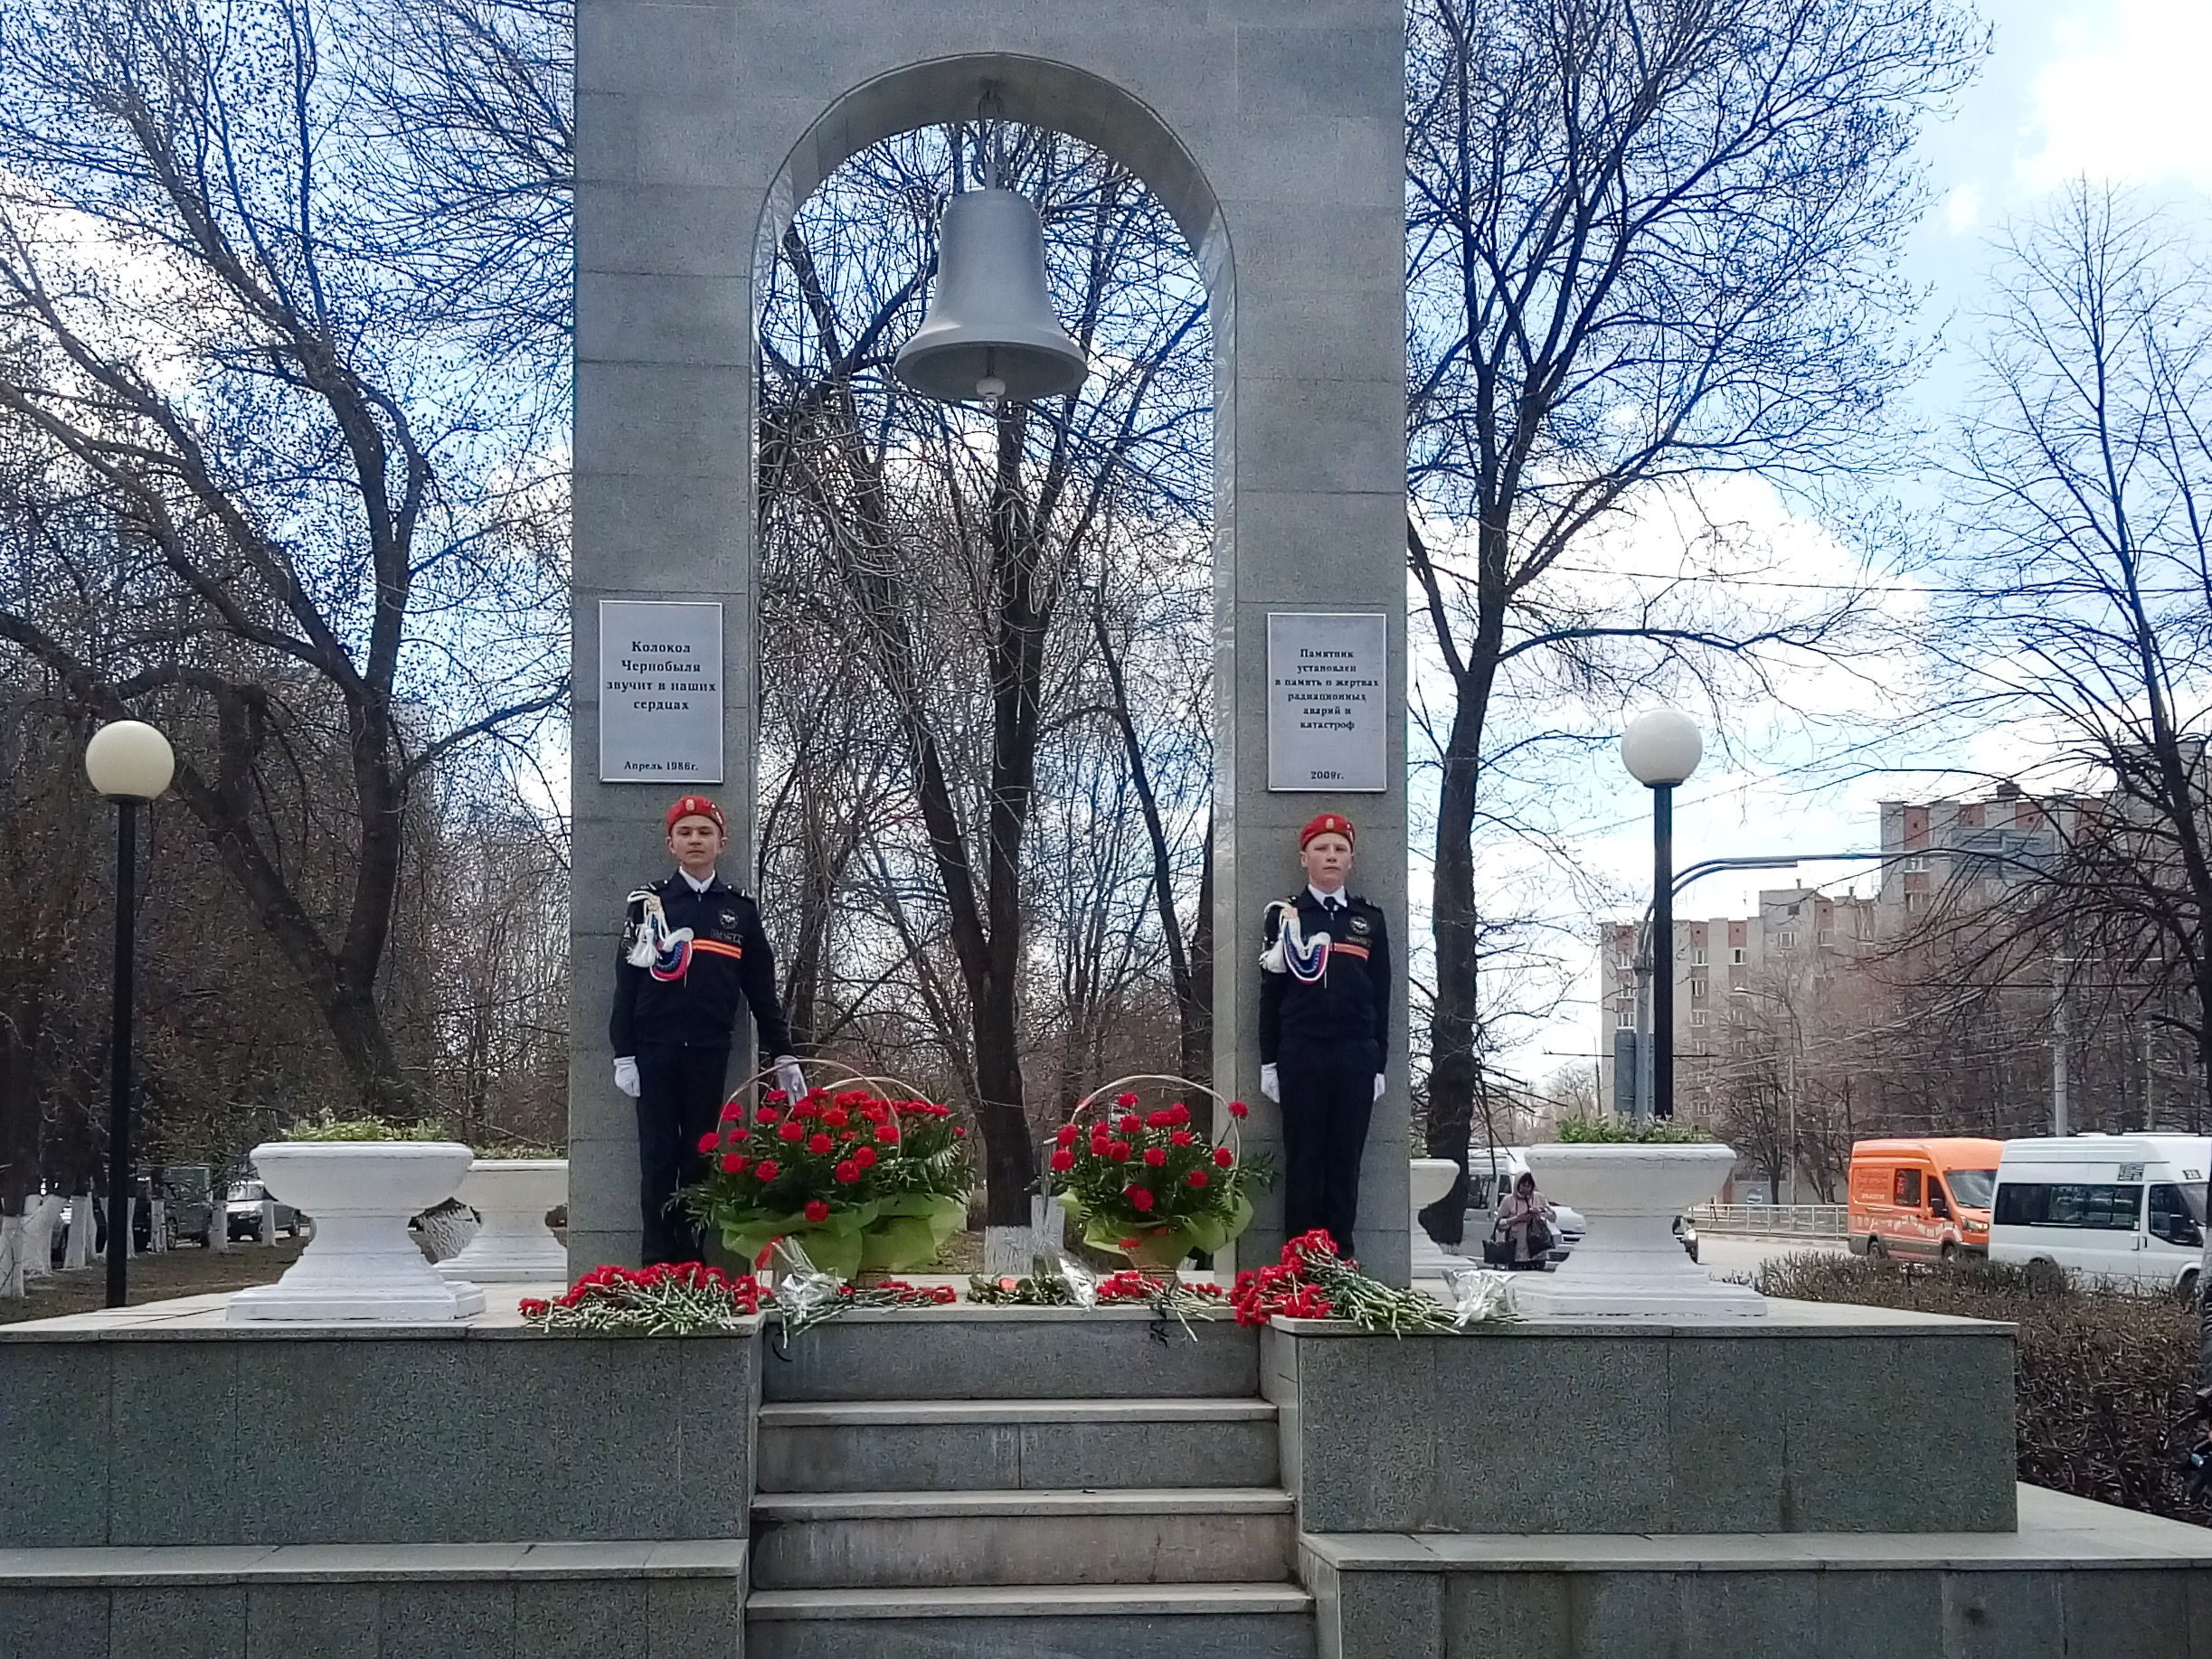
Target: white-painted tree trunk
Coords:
[[268, 1222], [83, 1226], [219, 1222], [157, 1239], [39, 1222], [14, 1278]]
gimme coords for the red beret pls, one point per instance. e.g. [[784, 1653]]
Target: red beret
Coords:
[[697, 806], [1327, 824]]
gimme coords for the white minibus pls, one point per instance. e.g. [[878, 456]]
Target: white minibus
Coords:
[[2118, 1208]]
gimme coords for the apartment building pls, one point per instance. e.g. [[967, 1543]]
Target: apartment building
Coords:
[[2001, 840], [1729, 973]]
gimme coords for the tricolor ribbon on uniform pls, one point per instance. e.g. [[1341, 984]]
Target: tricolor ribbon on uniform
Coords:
[[1293, 953], [663, 950]]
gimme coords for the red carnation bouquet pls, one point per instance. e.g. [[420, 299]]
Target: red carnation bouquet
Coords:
[[862, 1179], [669, 1299], [1311, 1281], [1153, 1185]]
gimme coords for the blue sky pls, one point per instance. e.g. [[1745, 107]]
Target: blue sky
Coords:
[[2108, 89]]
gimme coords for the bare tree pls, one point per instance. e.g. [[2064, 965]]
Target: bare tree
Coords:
[[954, 537], [468, 164], [1649, 244], [1189, 944], [311, 528], [2084, 606]]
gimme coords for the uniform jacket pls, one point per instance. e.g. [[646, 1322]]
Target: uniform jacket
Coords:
[[1350, 1003], [730, 962]]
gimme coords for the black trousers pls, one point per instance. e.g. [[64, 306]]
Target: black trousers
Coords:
[[1328, 1098], [679, 1100]]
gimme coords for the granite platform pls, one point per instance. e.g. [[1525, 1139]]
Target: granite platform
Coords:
[[174, 1484]]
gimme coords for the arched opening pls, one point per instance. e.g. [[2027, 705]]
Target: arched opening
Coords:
[[985, 634]]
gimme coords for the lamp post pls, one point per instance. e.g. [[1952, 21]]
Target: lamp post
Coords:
[[1660, 750], [131, 763]]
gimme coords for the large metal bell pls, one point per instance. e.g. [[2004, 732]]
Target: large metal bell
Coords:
[[990, 331]]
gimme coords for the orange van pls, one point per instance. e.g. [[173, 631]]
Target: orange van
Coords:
[[1927, 1199]]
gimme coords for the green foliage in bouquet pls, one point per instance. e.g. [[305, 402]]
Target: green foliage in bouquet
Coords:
[[861, 1180], [1153, 1186]]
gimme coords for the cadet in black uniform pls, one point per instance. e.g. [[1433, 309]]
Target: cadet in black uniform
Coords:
[[1324, 1029], [692, 947]]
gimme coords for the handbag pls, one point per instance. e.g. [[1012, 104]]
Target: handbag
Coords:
[[1540, 1238], [1496, 1249]]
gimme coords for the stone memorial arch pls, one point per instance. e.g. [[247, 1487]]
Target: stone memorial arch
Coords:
[[1270, 129]]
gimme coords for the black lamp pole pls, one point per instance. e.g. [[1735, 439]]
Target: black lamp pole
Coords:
[[1663, 950], [119, 1054]]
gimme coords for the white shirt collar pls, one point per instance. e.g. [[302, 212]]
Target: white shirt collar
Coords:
[[696, 887], [1337, 897]]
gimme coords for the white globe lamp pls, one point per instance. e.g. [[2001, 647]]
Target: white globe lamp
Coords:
[[1661, 747], [129, 760]]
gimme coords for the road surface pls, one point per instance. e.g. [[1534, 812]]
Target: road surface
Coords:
[[1736, 1255]]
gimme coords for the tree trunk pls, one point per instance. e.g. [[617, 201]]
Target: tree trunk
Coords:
[[1195, 1002], [14, 1251], [1453, 1078]]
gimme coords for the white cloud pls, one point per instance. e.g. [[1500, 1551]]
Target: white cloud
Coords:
[[1962, 209], [1776, 780], [2124, 98]]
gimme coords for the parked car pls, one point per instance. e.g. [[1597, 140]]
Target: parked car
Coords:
[[1924, 1199], [2118, 1209], [1491, 1172], [141, 1227], [244, 1208], [188, 1190]]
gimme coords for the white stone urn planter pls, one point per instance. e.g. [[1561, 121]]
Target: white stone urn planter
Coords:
[[1630, 1263], [1431, 1179], [361, 1264], [513, 1245]]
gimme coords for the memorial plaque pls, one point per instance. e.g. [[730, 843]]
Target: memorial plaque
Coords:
[[659, 691], [1328, 700]]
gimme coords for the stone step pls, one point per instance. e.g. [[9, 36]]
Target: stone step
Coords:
[[1015, 1353], [1134, 1536], [1035, 1621], [2078, 1580], [338, 1601], [965, 1445]]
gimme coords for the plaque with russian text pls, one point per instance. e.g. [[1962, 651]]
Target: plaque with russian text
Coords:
[[659, 691], [1327, 685]]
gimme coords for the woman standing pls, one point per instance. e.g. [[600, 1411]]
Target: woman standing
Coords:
[[1525, 1221]]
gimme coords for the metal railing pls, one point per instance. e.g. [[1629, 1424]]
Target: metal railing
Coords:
[[1772, 1221]]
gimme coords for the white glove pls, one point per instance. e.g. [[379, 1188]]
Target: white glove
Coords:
[[789, 1077], [1270, 1084], [626, 1075], [1378, 1086]]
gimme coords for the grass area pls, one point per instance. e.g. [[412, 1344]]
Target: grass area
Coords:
[[185, 1271], [2099, 1380]]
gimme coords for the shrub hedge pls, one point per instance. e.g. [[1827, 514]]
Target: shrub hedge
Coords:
[[2103, 1377]]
